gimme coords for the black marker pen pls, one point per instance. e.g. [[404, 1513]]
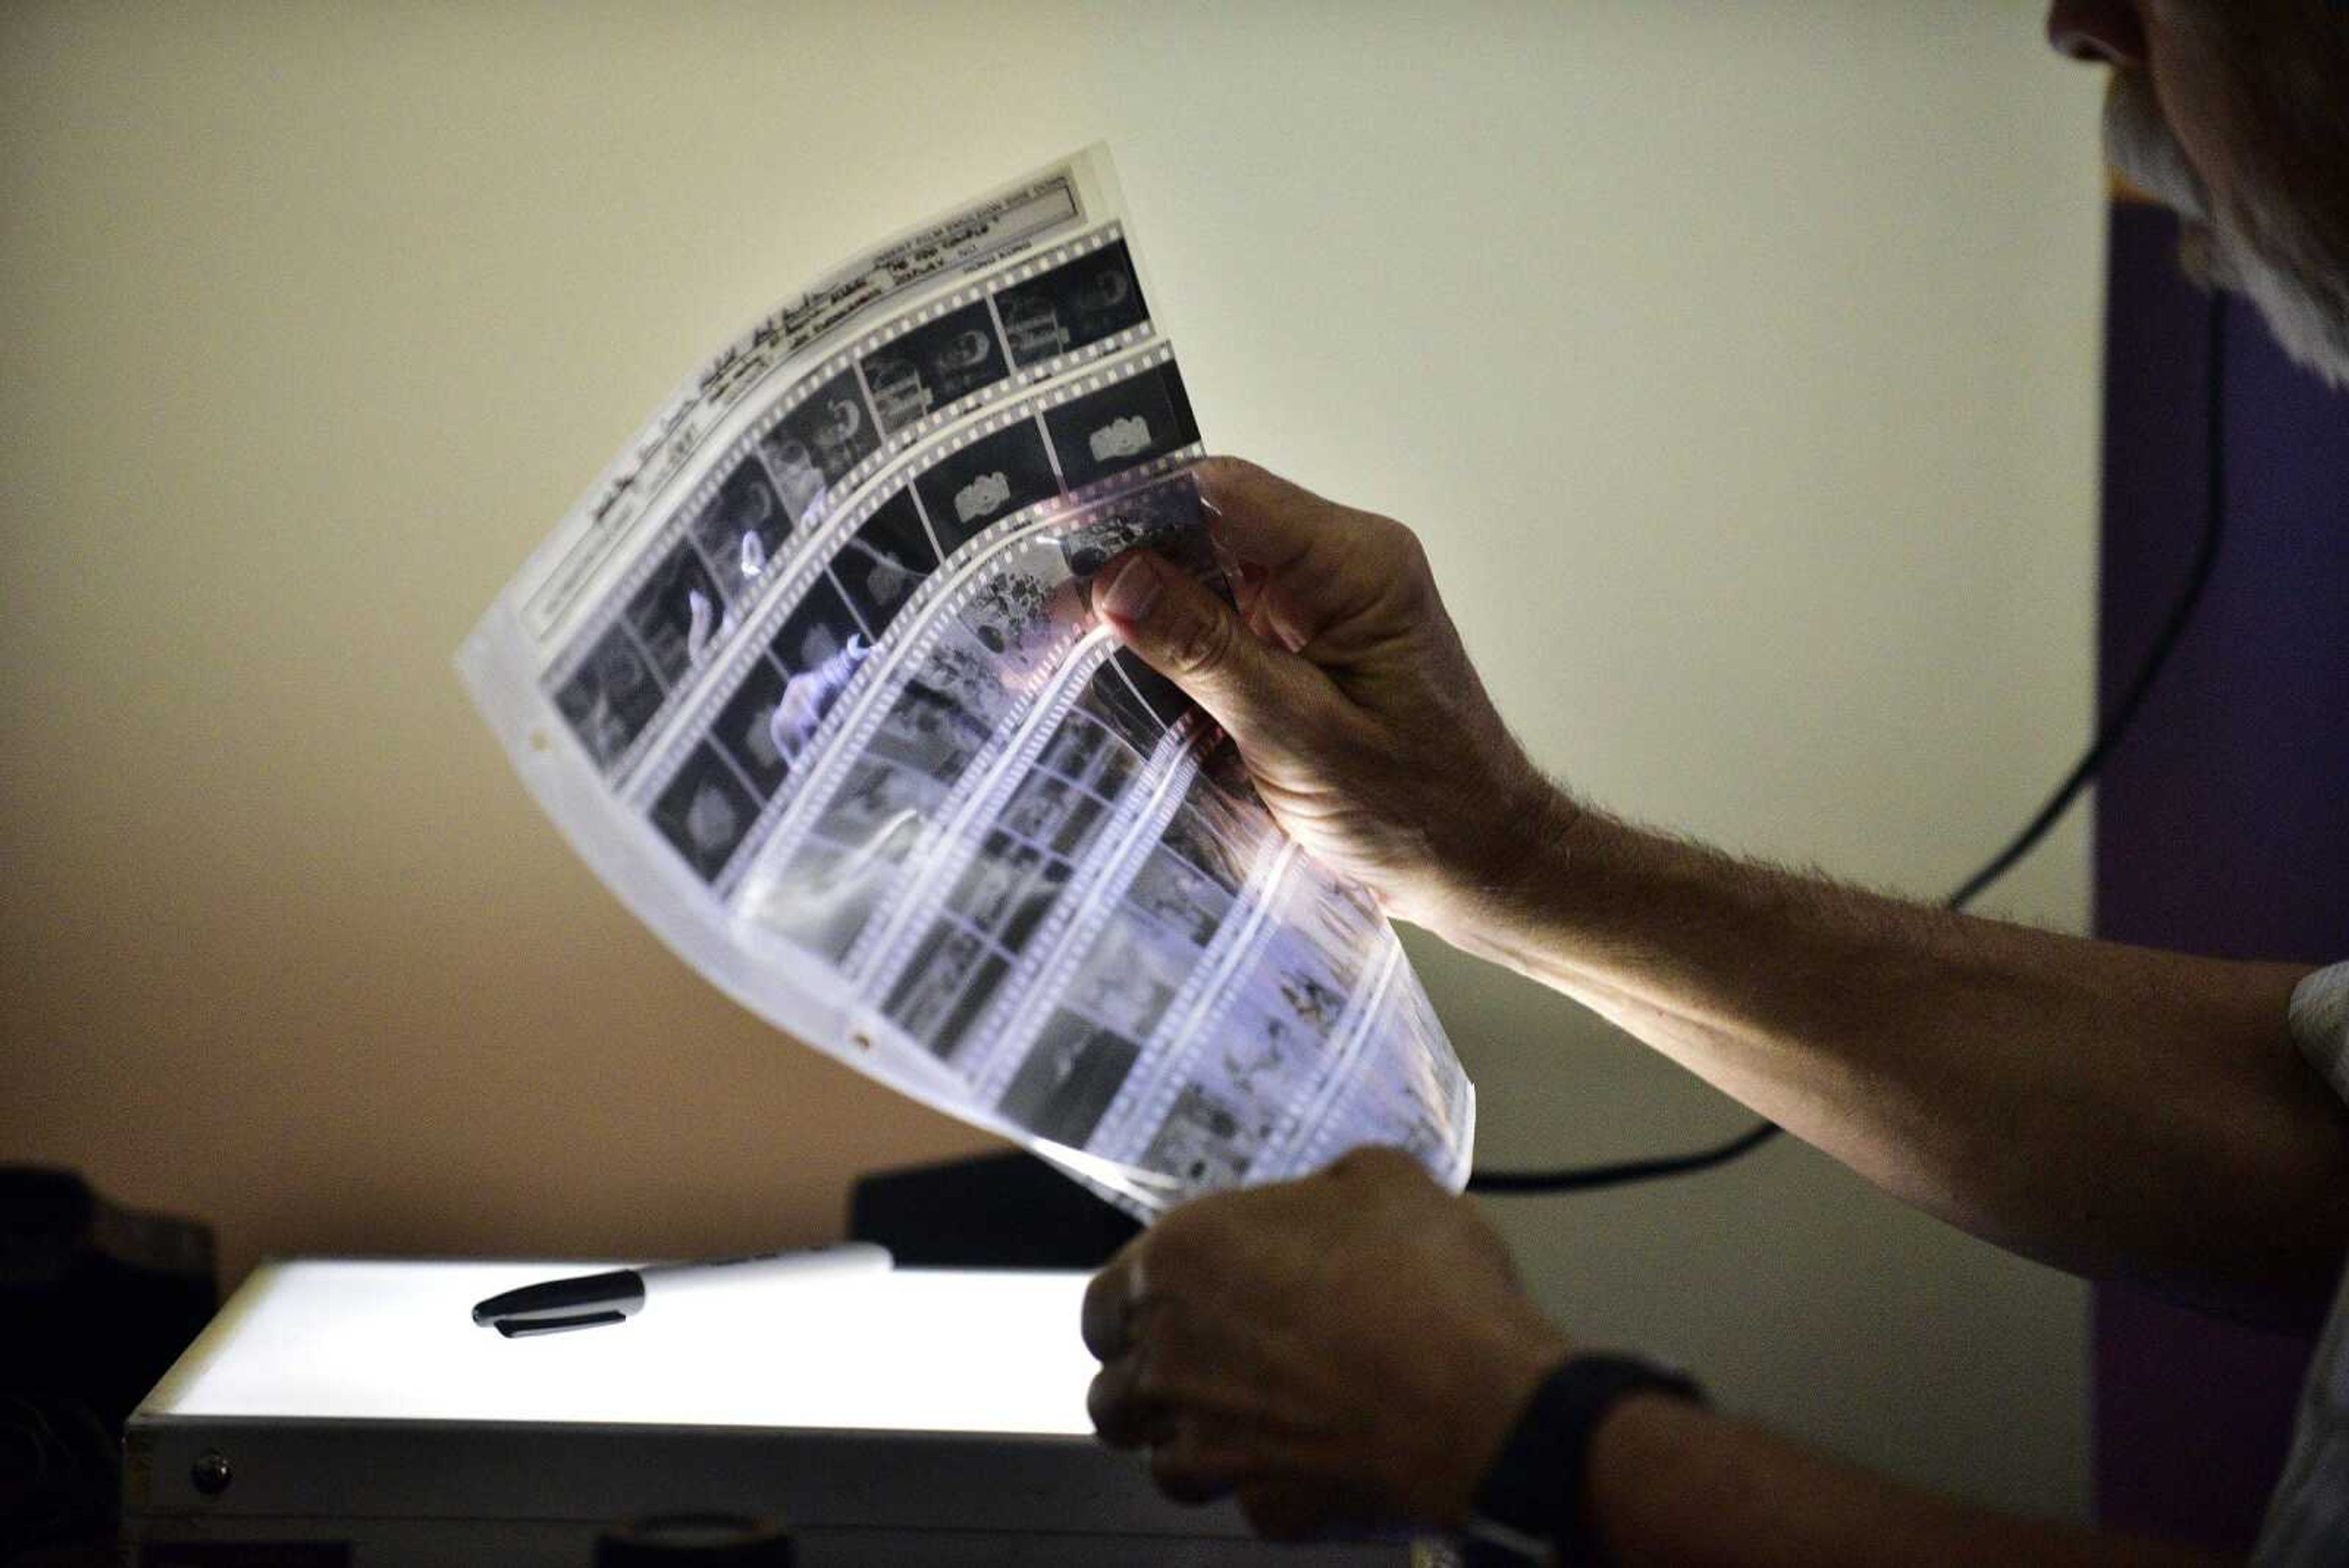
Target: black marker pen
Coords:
[[586, 1301]]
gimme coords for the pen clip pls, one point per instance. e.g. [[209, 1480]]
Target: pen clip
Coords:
[[526, 1327], [583, 1300]]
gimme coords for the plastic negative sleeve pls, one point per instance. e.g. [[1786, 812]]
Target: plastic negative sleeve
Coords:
[[811, 679]]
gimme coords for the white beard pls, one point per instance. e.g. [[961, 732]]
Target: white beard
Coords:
[[2304, 293]]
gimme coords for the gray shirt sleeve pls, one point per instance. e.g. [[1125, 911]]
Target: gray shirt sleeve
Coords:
[[2320, 1024], [2308, 1520]]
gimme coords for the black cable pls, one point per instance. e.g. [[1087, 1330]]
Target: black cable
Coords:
[[1622, 1173]]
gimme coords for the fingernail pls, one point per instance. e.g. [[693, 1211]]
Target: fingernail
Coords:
[[1130, 594]]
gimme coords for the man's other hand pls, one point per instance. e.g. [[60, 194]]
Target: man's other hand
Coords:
[[1344, 1351], [1344, 683]]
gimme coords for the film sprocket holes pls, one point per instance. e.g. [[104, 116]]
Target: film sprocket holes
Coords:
[[811, 679]]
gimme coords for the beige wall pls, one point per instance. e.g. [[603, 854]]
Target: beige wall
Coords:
[[1737, 361]]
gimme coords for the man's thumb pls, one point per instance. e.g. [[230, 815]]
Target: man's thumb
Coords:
[[1183, 631]]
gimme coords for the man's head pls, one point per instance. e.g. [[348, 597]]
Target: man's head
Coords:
[[2236, 114]]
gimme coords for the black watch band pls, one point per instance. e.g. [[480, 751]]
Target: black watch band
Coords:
[[1532, 1498]]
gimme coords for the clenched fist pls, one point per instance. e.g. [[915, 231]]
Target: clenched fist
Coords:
[[1349, 1350]]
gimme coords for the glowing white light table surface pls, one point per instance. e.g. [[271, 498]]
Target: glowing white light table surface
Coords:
[[345, 1411]]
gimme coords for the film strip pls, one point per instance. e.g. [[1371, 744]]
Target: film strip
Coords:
[[1413, 1094], [1134, 815], [999, 897], [1353, 1029], [1145, 1103], [644, 663], [819, 444], [953, 686], [1246, 1071], [1065, 836], [1001, 226], [806, 650], [1077, 1043], [1053, 313], [978, 938], [1173, 931], [899, 762]]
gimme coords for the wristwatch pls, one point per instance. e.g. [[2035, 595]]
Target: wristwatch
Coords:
[[1532, 1498]]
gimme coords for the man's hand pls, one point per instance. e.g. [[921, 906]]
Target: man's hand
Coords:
[[1353, 1349], [1348, 1350], [1345, 685], [2113, 1110]]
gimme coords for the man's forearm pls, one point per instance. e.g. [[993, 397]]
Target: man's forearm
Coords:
[[1671, 1483], [2108, 1108]]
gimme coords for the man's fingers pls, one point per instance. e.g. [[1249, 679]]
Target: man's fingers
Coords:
[[1257, 693], [1122, 1417], [1262, 518], [1107, 1315], [1318, 565]]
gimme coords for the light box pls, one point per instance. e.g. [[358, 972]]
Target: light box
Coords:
[[350, 1412]]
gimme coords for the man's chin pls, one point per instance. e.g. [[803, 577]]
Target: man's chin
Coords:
[[2286, 270]]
